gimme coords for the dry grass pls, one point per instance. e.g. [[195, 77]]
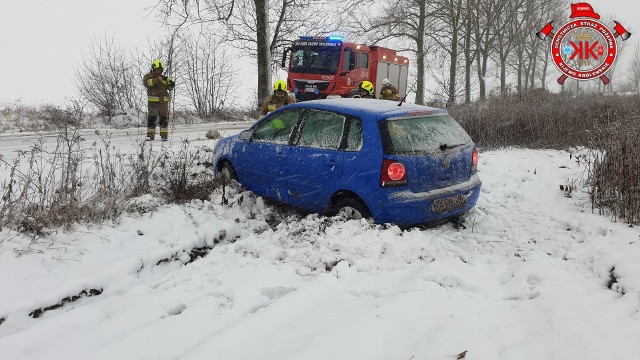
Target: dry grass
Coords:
[[71, 183], [614, 181], [39, 118], [541, 120], [186, 175]]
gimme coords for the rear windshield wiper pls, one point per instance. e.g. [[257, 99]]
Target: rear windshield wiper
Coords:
[[444, 147]]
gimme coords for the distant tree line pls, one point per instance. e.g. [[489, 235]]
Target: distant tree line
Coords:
[[461, 50]]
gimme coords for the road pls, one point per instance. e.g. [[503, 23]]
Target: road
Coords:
[[121, 138]]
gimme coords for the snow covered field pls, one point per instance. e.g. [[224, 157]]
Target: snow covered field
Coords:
[[534, 275]]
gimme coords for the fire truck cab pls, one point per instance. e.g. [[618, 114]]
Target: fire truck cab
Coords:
[[321, 67]]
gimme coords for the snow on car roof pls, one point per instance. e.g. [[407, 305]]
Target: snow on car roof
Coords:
[[372, 107]]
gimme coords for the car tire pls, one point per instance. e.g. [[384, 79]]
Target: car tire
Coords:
[[351, 209], [227, 172]]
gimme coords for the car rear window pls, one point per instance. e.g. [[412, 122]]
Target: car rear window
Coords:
[[419, 135]]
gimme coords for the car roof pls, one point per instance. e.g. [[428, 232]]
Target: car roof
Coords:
[[380, 109]]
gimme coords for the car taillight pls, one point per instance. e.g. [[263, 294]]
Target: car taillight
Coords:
[[474, 159], [393, 174]]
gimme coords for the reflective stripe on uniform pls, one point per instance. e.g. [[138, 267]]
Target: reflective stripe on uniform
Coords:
[[153, 98], [167, 99], [150, 82], [164, 131]]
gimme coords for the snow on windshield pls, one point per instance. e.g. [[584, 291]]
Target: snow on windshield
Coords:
[[422, 135]]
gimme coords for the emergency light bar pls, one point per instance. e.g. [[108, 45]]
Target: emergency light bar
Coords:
[[330, 38]]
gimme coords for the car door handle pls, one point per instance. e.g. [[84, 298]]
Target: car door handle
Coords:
[[332, 163]]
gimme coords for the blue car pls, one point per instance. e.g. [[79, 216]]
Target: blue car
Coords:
[[365, 158]]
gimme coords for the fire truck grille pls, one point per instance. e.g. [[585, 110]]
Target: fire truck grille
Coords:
[[308, 96], [304, 86]]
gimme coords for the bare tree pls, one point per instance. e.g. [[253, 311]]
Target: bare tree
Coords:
[[448, 26], [471, 47], [614, 75], [401, 20], [288, 19], [507, 28], [208, 75], [258, 27], [177, 13], [441, 75], [525, 43], [634, 71], [107, 78], [552, 10], [486, 14]]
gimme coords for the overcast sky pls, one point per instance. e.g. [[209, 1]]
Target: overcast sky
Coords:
[[42, 40]]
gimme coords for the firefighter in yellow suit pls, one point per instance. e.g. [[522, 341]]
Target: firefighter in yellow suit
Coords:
[[367, 90], [158, 87], [388, 91], [278, 99]]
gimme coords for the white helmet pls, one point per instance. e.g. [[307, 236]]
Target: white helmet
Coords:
[[385, 82]]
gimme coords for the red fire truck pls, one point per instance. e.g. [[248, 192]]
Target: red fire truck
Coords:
[[321, 67]]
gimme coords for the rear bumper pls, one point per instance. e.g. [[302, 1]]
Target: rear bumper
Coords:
[[406, 208]]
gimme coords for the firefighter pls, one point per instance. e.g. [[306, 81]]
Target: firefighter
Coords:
[[367, 90], [278, 99], [158, 87], [388, 91]]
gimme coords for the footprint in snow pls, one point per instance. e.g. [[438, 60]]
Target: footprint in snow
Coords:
[[175, 309], [274, 293]]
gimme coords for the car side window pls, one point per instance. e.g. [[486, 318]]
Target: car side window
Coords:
[[278, 128], [354, 137], [322, 129]]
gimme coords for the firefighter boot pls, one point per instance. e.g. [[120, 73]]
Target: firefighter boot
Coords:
[[164, 128], [151, 127]]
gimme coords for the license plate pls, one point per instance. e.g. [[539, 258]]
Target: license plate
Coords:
[[449, 204]]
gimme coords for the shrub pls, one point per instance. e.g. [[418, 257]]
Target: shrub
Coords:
[[538, 119], [39, 118], [68, 182], [186, 175], [615, 172]]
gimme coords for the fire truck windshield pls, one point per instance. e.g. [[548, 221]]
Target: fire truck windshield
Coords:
[[315, 60]]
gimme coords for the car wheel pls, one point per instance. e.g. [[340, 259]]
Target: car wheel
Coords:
[[227, 172], [351, 209]]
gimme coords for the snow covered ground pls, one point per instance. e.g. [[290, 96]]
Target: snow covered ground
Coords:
[[534, 275]]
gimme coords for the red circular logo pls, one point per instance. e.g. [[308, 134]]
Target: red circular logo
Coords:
[[584, 49]]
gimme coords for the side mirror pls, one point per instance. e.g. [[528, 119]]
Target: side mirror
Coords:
[[352, 66], [246, 134], [284, 57]]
